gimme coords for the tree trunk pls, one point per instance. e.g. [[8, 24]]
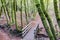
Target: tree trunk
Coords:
[[0, 12], [21, 16], [14, 11], [43, 18], [4, 8], [48, 18], [56, 11], [26, 11]]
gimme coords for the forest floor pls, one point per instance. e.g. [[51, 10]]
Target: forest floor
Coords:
[[4, 34]]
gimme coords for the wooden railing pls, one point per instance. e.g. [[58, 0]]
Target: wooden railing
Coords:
[[39, 36], [26, 29], [36, 30]]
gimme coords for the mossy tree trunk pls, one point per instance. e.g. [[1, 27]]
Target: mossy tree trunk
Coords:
[[59, 5], [48, 18], [25, 4], [7, 12], [21, 16], [28, 9], [4, 8], [56, 11], [14, 11], [43, 18], [33, 8], [0, 11]]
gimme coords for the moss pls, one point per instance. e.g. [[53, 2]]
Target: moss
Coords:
[[26, 11], [3, 2], [21, 16], [48, 18], [14, 8], [43, 18], [0, 11], [58, 22], [56, 11]]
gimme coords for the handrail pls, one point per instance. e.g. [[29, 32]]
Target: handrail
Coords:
[[26, 29], [36, 30], [26, 26]]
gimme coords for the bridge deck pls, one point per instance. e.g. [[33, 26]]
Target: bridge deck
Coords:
[[30, 34]]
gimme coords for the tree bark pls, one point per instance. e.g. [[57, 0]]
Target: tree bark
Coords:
[[48, 18], [43, 18], [56, 11]]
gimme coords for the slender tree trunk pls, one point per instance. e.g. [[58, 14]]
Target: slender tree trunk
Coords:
[[0, 11], [21, 16], [59, 5], [56, 12], [4, 8], [34, 8], [14, 11], [28, 15], [47, 5], [7, 12], [26, 11]]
